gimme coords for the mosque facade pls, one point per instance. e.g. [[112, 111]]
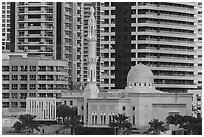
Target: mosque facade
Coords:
[[140, 101]]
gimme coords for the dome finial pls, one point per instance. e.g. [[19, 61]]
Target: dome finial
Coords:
[[92, 11]]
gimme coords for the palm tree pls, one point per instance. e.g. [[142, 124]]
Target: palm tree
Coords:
[[121, 123], [26, 122], [65, 111], [156, 126], [17, 126], [74, 123]]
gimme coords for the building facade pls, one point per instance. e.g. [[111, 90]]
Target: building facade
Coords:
[[161, 35], [140, 101], [24, 77], [198, 55], [196, 102], [50, 29], [44, 109], [5, 25]]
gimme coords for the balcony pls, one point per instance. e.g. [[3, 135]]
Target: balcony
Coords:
[[167, 42], [166, 24], [165, 7], [166, 50], [167, 59]]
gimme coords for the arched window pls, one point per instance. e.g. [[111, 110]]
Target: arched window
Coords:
[[113, 117], [110, 118], [104, 118], [133, 120], [92, 118], [95, 118], [101, 118]]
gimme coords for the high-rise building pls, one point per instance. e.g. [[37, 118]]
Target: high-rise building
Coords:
[[161, 35], [57, 30], [5, 25], [50, 29], [198, 56]]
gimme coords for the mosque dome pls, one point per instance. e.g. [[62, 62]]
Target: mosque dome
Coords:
[[140, 74]]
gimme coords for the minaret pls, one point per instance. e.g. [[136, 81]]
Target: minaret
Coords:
[[91, 90]]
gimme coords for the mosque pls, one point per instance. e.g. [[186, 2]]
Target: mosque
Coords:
[[140, 101]]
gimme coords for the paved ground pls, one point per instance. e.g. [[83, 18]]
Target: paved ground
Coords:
[[8, 122]]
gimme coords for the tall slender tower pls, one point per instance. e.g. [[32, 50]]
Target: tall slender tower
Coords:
[[91, 90]]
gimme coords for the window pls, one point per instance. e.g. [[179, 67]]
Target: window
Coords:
[[23, 95], [104, 118], [23, 104], [23, 86], [71, 103], [5, 95], [32, 68], [123, 108], [5, 86], [32, 77], [33, 86], [5, 68], [14, 77], [106, 4], [133, 108], [32, 94], [14, 86], [198, 97], [5, 77], [92, 118], [42, 77], [23, 77], [42, 86], [14, 104], [133, 120], [5, 104], [14, 95], [101, 118], [23, 68], [42, 68]]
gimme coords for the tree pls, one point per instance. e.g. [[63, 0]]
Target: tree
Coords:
[[26, 123], [197, 126], [156, 126], [121, 123], [173, 119], [73, 122], [65, 111], [17, 126], [191, 124]]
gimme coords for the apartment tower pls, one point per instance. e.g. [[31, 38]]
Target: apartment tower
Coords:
[[5, 25], [50, 30], [158, 34]]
